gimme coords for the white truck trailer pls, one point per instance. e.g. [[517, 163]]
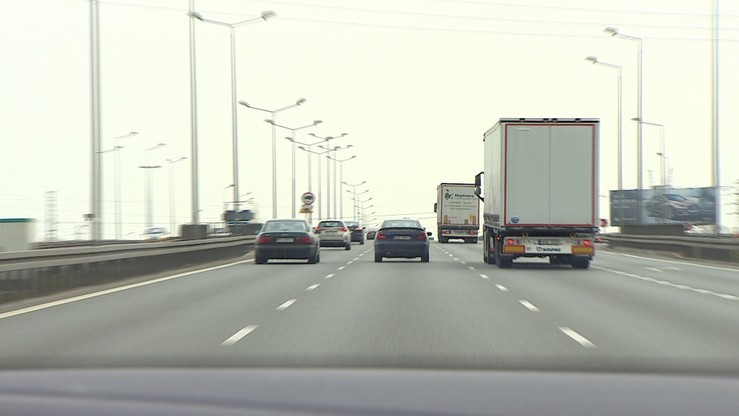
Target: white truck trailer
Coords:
[[457, 212], [540, 191]]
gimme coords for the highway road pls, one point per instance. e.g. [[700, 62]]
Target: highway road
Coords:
[[629, 312]]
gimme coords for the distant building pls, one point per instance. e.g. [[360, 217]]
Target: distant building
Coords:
[[15, 234]]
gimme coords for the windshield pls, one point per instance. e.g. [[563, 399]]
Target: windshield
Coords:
[[565, 173]]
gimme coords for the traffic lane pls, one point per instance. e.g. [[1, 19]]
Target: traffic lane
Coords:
[[716, 277], [188, 315], [402, 313], [627, 317], [630, 318]]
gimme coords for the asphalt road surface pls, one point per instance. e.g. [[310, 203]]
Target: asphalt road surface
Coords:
[[628, 312]]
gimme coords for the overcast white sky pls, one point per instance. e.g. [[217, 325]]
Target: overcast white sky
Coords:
[[415, 84]]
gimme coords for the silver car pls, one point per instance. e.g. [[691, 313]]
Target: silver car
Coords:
[[334, 233]]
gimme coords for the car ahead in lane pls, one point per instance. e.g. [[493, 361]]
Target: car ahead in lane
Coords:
[[357, 232], [286, 239], [404, 238], [334, 233]]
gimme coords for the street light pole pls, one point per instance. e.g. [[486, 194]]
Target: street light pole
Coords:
[[327, 139], [117, 187], [171, 163], [234, 119], [274, 145], [595, 60], [341, 183], [355, 194], [148, 185], [614, 32], [193, 124], [661, 144], [293, 197], [95, 180], [318, 197]]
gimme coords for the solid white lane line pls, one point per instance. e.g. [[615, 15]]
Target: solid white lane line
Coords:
[[484, 276], [654, 269], [577, 337], [684, 263], [673, 268], [286, 305], [113, 290], [237, 336], [341, 268], [330, 275], [502, 288], [311, 287], [528, 305], [670, 284]]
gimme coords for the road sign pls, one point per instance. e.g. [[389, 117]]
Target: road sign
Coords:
[[306, 209], [308, 198]]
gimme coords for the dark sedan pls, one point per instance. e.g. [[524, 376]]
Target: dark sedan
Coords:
[[357, 231], [286, 239], [405, 238]]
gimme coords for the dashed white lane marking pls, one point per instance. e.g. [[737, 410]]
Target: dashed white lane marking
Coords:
[[349, 262], [341, 268], [470, 267], [286, 305], [502, 288], [672, 268], [456, 259], [237, 336], [654, 269], [311, 287], [675, 285], [577, 337], [356, 258], [330, 275], [450, 254], [484, 276], [113, 290], [528, 305]]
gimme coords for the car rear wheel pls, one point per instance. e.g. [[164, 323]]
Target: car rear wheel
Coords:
[[348, 246], [314, 259], [425, 258], [378, 258], [260, 260]]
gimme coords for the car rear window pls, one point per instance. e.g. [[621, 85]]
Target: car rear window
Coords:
[[290, 226], [401, 224], [330, 224]]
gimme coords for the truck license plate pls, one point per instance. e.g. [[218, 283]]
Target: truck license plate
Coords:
[[548, 242]]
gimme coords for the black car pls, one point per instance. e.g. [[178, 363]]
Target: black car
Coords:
[[371, 233], [404, 238], [286, 239], [357, 231]]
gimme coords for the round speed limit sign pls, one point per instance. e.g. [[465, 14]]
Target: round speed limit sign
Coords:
[[308, 198]]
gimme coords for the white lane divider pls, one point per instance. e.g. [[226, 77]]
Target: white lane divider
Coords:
[[349, 262], [311, 287], [113, 290], [501, 287], [666, 283], [330, 275], [450, 254], [528, 305], [286, 305], [237, 336], [356, 258], [456, 259], [654, 269], [577, 337], [463, 262], [470, 267], [484, 276]]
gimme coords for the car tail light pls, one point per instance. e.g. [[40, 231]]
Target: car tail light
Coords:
[[317, 230], [344, 229], [264, 239], [421, 236], [380, 236], [358, 229], [304, 240]]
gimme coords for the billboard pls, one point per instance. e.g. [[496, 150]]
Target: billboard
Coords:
[[695, 206]]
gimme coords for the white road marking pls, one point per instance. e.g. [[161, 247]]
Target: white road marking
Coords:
[[673, 268], [450, 254], [502, 288], [349, 262], [577, 337], [356, 258], [237, 336], [286, 305], [113, 290], [463, 262], [654, 269], [470, 267], [456, 259], [484, 276], [684, 263], [528, 305], [675, 285], [311, 287], [330, 275]]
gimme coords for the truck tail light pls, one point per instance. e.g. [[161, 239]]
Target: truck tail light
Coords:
[[510, 241], [586, 242]]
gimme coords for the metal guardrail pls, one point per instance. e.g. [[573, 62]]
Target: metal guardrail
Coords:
[[700, 247], [39, 272]]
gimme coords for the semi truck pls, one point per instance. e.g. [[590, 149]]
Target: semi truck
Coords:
[[540, 193], [457, 212]]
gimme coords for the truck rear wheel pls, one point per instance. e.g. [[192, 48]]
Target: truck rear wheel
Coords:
[[581, 264]]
